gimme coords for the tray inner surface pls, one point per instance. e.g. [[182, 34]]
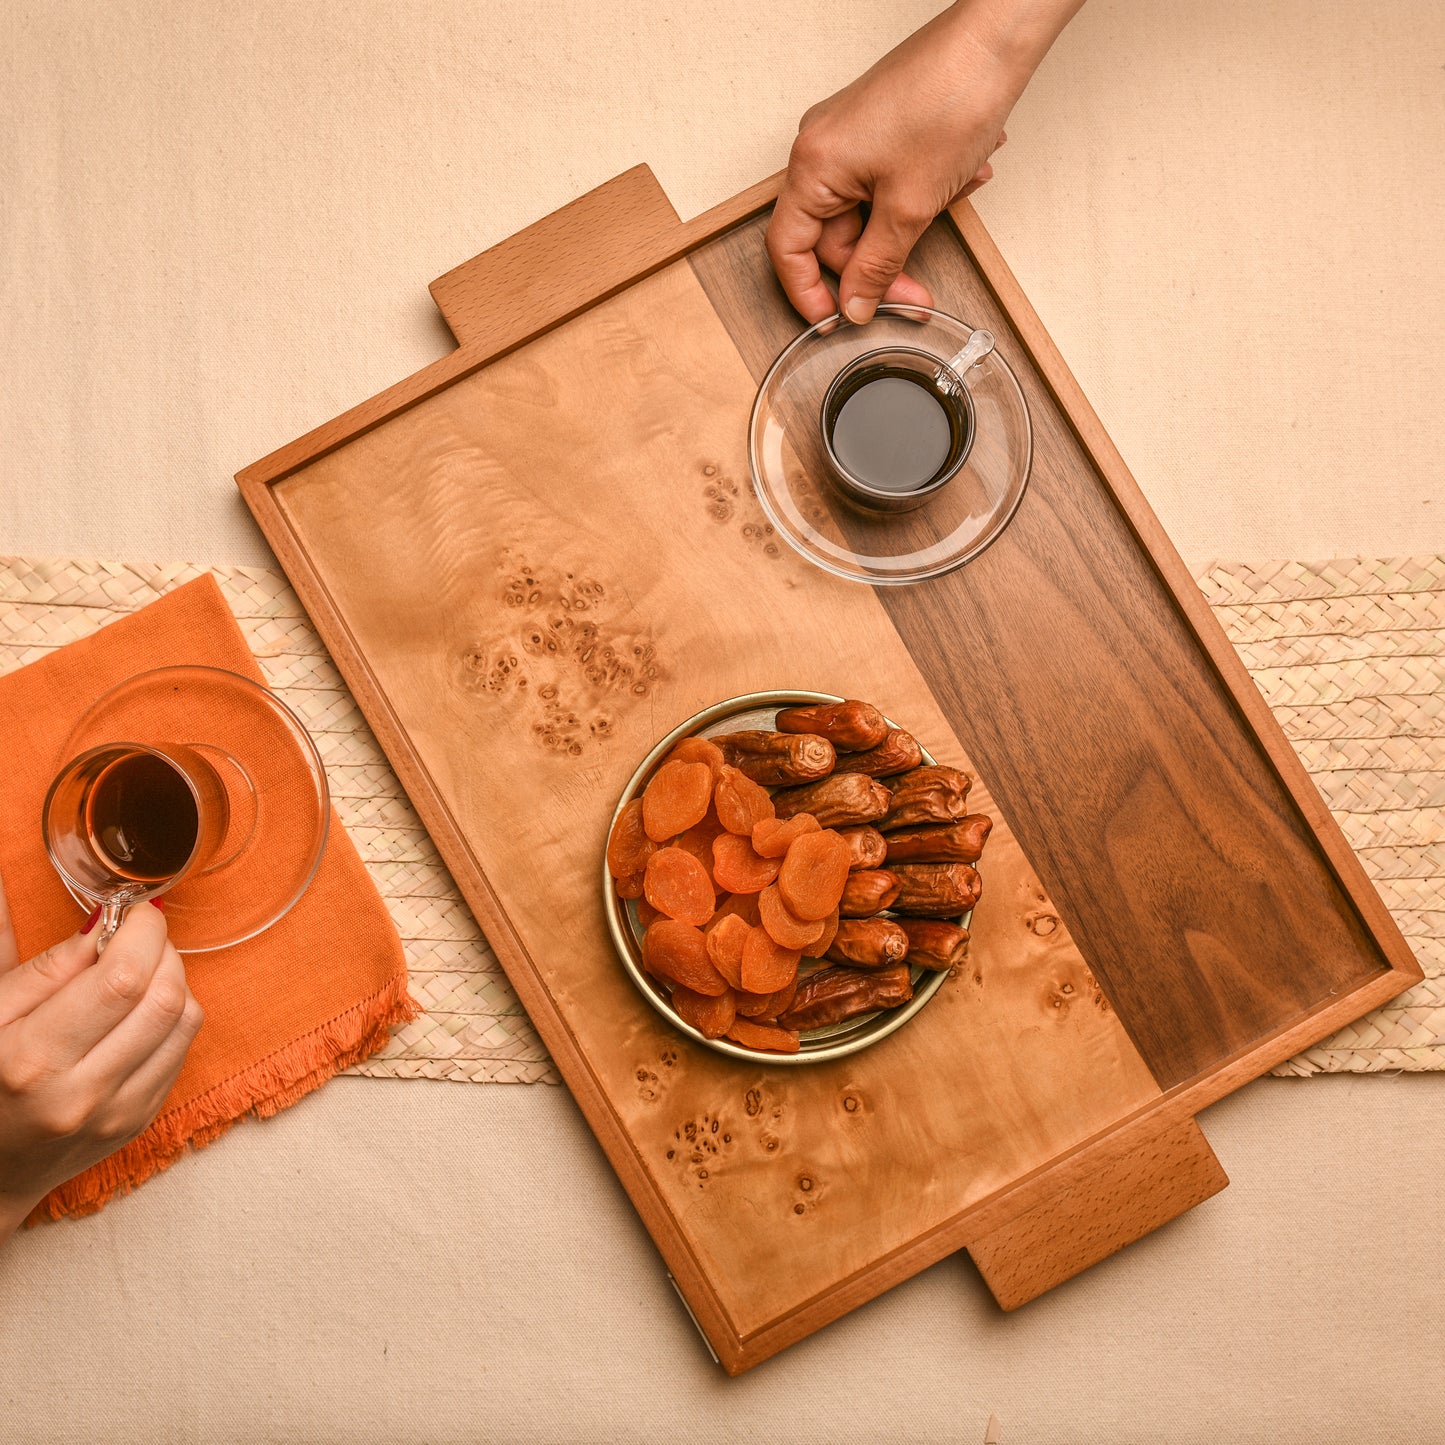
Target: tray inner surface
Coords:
[[553, 562]]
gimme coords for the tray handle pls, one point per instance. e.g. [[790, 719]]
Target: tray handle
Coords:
[[1115, 1204], [560, 265]]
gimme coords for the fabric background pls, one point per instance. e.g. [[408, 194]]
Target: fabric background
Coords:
[[216, 231]]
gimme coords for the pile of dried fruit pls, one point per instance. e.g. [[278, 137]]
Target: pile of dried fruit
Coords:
[[768, 913]]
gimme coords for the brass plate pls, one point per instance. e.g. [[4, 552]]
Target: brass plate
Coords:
[[816, 1046]]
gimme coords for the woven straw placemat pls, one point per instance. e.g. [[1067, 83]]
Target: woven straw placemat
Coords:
[[1349, 654]]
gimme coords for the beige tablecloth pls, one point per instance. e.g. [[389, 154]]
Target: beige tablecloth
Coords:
[[216, 226]]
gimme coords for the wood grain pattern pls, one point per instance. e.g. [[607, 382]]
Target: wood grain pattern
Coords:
[[1096, 442], [1164, 837], [410, 526], [1123, 1200], [498, 545]]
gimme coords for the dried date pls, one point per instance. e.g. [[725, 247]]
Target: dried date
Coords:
[[960, 842], [868, 891], [867, 847], [778, 759], [897, 753], [868, 943], [834, 995], [839, 801], [936, 890], [934, 944], [927, 795], [850, 726]]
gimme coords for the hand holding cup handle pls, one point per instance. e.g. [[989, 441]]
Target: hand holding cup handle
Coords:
[[89, 1048]]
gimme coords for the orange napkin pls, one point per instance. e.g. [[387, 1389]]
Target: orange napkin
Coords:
[[317, 991]]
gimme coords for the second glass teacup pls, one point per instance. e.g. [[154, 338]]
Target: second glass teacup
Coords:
[[124, 822]]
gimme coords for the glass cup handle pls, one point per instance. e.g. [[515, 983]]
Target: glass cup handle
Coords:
[[112, 913], [975, 349]]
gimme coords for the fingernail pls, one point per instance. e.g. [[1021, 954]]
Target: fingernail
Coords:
[[159, 903], [860, 310], [90, 922]]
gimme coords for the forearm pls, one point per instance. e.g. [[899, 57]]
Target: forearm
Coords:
[[1009, 37], [1018, 32]]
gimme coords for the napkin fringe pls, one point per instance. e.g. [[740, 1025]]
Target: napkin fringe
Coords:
[[264, 1089]]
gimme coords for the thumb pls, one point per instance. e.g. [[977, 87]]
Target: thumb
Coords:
[[882, 251]]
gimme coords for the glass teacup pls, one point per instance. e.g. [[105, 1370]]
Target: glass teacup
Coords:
[[124, 822]]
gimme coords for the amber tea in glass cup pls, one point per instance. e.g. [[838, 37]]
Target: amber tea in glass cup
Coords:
[[123, 822]]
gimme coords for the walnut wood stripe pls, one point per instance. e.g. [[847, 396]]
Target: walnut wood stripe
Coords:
[[1186, 872]]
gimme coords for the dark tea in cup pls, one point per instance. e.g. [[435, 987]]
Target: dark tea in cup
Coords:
[[897, 426], [141, 817], [125, 821]]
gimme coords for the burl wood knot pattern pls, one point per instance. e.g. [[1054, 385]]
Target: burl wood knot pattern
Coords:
[[570, 652], [1349, 653]]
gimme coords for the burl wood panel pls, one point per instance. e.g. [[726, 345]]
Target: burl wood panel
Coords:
[[1192, 882], [1121, 1200], [551, 563]]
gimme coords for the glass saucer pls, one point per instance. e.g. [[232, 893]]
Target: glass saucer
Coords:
[[795, 482], [280, 806]]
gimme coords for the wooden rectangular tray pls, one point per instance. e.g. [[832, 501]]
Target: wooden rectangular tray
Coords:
[[536, 556]]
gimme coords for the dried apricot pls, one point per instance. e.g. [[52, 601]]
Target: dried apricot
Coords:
[[630, 886], [676, 884], [629, 847], [774, 836], [741, 803], [767, 1005], [744, 905], [784, 926], [763, 1036], [814, 874], [678, 951], [711, 1015], [675, 799], [647, 915], [738, 868], [698, 839], [725, 947], [830, 929], [698, 750], [767, 966]]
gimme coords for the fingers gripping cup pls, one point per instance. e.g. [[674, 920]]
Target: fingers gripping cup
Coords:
[[892, 452]]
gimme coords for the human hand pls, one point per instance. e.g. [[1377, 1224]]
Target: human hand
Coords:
[[909, 137], [89, 1049]]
